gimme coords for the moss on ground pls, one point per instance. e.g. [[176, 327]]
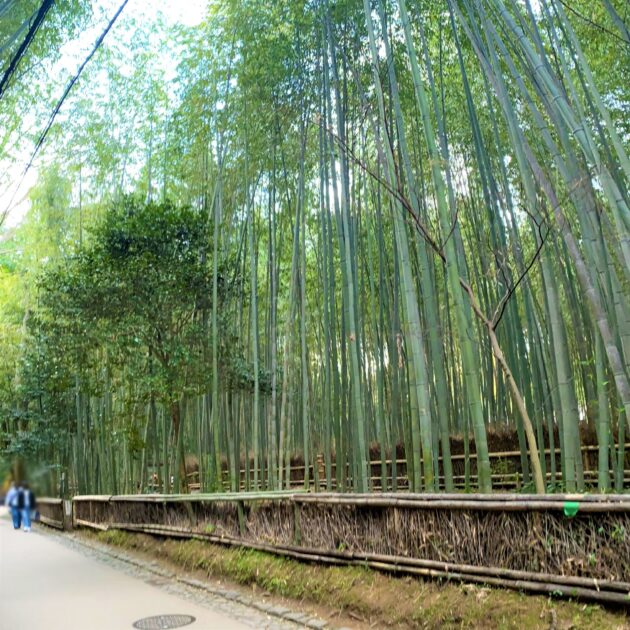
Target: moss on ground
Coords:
[[373, 599]]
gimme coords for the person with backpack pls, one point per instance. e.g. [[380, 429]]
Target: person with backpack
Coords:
[[11, 501]]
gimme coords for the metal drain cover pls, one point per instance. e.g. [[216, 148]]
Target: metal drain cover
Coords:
[[163, 622]]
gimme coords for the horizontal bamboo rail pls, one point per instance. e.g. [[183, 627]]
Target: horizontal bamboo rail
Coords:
[[590, 448], [501, 480], [509, 502], [175, 498], [420, 499], [90, 524], [401, 561], [402, 462], [458, 457]]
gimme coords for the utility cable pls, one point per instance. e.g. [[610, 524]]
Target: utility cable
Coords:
[[12, 38], [37, 22], [55, 111], [71, 83]]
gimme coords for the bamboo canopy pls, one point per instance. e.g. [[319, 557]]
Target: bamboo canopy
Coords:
[[351, 246]]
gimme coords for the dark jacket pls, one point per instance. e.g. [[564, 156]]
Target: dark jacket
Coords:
[[25, 497]]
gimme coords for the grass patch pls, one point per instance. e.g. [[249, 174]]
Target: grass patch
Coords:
[[370, 597]]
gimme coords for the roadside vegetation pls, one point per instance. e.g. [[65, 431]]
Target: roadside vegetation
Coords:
[[356, 597]]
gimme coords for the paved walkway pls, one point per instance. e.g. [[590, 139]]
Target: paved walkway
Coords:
[[46, 584]]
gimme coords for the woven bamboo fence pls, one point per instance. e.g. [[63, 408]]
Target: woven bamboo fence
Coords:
[[573, 545]]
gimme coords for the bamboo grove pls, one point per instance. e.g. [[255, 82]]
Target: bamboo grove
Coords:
[[405, 221]]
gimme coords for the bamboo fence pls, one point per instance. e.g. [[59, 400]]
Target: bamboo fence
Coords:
[[574, 545]]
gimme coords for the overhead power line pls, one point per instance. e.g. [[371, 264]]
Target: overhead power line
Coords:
[[71, 83], [59, 104], [37, 22]]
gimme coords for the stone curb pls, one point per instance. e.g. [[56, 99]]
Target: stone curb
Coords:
[[302, 619]]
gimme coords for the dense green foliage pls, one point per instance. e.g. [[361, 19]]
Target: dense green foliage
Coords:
[[380, 222]]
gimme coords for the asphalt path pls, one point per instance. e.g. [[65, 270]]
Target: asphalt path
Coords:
[[46, 585]]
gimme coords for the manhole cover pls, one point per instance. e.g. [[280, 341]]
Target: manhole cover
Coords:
[[163, 622]]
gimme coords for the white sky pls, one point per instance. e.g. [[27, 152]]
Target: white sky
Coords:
[[186, 12], [189, 12]]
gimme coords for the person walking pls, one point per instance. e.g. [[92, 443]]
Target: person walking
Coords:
[[12, 502], [27, 506]]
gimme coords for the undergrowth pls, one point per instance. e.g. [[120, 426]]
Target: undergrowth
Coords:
[[372, 598]]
